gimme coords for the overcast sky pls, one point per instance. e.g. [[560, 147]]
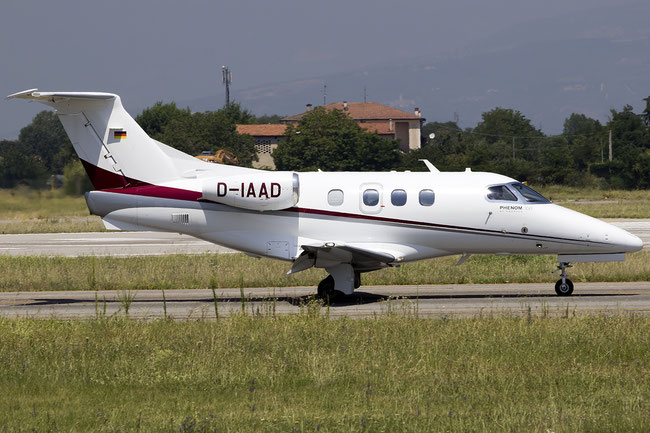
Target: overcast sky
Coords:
[[169, 50]]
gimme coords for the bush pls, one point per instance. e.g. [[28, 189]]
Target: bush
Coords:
[[75, 179]]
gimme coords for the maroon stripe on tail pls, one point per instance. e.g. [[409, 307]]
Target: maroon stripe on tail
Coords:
[[104, 179], [113, 182]]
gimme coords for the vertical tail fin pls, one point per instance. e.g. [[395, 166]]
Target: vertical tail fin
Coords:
[[114, 149]]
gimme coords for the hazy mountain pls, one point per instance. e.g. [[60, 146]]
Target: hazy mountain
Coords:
[[588, 63]]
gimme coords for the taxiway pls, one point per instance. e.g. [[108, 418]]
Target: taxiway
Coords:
[[438, 300]]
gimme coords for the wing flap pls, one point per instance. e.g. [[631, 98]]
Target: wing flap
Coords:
[[326, 255]]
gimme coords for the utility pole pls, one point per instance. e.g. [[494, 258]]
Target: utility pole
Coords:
[[324, 94], [365, 95], [226, 78], [610, 144]]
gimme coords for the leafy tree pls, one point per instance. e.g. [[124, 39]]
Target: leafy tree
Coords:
[[154, 119], [331, 140], [447, 150], [212, 130], [646, 112], [237, 114], [195, 132], [273, 118], [46, 138], [579, 124], [501, 124], [75, 179], [631, 141], [585, 136], [20, 167]]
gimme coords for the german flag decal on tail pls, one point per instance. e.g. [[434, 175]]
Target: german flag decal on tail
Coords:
[[119, 135]]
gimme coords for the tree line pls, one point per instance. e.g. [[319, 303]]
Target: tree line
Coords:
[[504, 141]]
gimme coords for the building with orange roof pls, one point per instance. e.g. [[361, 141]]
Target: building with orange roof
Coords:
[[266, 138], [386, 121]]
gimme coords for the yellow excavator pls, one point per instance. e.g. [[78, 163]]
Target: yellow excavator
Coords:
[[221, 156]]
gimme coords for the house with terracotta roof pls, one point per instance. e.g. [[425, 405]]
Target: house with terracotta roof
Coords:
[[266, 138], [386, 121]]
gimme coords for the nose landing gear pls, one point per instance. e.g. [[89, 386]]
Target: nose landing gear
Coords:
[[564, 286]]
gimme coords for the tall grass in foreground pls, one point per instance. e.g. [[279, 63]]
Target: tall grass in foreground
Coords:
[[238, 270], [309, 373]]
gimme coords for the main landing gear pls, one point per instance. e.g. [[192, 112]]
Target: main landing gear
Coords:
[[328, 287], [564, 286]]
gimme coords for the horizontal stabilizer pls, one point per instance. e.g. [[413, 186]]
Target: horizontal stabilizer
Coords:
[[52, 97]]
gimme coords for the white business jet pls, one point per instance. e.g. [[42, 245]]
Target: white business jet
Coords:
[[347, 223]]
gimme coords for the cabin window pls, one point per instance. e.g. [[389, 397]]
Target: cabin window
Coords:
[[427, 197], [398, 197], [529, 194], [371, 197], [500, 192], [335, 197]]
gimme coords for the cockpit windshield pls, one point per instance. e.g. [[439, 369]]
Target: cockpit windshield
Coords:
[[515, 191], [500, 192], [529, 194]]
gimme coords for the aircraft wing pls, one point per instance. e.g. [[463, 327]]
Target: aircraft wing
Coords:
[[361, 257]]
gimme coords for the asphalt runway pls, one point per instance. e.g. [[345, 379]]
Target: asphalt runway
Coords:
[[160, 243], [368, 301], [105, 244]]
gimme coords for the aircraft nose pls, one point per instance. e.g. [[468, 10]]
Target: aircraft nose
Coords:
[[634, 243], [625, 240]]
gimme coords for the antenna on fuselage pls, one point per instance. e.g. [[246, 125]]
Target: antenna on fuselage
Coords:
[[432, 168]]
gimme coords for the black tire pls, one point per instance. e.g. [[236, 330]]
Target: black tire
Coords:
[[327, 292], [564, 289], [326, 287], [357, 280]]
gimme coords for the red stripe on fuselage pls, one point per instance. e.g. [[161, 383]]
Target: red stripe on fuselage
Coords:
[[159, 192]]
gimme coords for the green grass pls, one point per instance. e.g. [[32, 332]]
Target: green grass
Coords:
[[25, 210], [601, 203], [53, 225], [564, 193], [624, 209], [310, 373], [239, 270], [27, 204]]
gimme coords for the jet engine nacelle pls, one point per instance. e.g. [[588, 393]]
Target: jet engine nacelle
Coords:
[[261, 191]]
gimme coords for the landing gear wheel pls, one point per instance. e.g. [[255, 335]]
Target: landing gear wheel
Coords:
[[326, 290], [564, 288]]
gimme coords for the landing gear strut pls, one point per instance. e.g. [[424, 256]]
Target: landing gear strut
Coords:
[[564, 286]]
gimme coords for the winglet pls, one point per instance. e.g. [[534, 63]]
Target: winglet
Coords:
[[25, 94]]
